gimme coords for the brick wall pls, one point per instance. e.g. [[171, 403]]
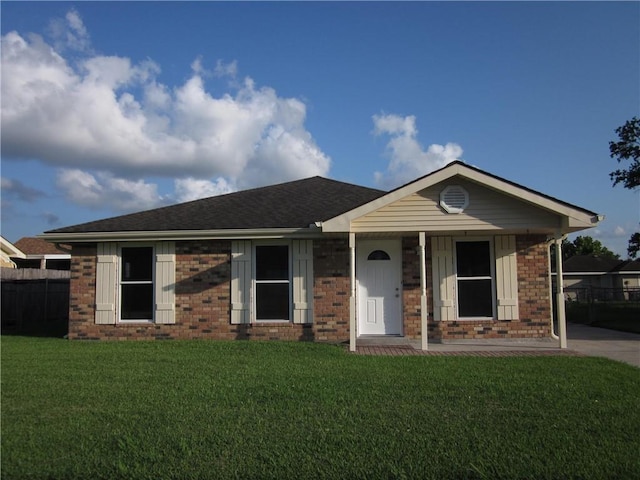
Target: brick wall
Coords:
[[203, 271], [533, 297]]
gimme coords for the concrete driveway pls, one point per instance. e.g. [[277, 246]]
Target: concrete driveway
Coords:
[[581, 339], [602, 342]]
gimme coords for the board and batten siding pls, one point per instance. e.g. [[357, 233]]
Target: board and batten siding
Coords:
[[302, 259], [106, 283], [165, 282], [506, 277], [487, 210], [241, 272]]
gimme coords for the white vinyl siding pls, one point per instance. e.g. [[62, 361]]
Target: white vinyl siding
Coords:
[[487, 210]]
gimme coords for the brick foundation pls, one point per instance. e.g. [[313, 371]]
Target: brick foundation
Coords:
[[203, 272]]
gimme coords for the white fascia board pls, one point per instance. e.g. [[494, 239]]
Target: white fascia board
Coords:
[[137, 236], [10, 249], [575, 219], [48, 256]]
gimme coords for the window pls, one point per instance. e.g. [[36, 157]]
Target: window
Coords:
[[378, 255], [272, 282], [136, 284], [474, 279]]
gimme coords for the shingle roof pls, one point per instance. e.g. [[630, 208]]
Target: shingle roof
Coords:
[[37, 246], [295, 204], [591, 264], [629, 266]]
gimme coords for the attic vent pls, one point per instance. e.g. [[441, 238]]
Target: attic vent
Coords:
[[454, 199]]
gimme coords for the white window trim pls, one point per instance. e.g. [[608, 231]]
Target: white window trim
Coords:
[[254, 282], [145, 282], [492, 261]]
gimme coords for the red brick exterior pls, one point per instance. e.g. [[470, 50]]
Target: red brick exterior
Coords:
[[202, 304], [203, 298]]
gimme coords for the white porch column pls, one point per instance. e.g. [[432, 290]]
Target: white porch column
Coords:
[[423, 292], [562, 319], [352, 298]]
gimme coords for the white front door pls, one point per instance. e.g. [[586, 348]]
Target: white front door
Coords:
[[379, 274]]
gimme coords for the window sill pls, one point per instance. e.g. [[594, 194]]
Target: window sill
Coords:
[[473, 319]]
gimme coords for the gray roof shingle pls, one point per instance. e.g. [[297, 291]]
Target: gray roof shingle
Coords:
[[295, 204]]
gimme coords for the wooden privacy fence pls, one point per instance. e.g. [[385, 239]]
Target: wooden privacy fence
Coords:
[[35, 302]]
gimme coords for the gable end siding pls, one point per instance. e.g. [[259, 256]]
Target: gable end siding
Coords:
[[487, 210]]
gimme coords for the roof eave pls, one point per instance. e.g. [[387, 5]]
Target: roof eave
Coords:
[[172, 235]]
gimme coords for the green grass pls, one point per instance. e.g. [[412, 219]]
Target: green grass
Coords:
[[138, 410]]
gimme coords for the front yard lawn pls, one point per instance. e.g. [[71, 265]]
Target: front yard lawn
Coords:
[[204, 409]]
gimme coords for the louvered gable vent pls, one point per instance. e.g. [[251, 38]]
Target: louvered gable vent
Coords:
[[454, 199]]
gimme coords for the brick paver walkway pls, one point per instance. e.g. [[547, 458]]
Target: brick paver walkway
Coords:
[[399, 350]]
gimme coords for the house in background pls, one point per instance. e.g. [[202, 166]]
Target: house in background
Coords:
[[459, 253], [9, 252], [595, 278], [41, 254]]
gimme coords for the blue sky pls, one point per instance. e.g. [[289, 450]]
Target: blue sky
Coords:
[[112, 107]]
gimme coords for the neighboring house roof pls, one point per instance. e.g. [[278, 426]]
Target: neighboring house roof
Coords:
[[596, 265], [589, 264], [295, 204], [36, 247], [629, 266]]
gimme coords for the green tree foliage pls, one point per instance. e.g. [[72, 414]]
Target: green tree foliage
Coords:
[[634, 245], [627, 148], [586, 246]]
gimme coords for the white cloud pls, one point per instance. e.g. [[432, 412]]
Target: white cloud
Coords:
[[619, 231], [106, 113], [408, 160], [187, 189], [70, 33], [226, 69], [102, 189]]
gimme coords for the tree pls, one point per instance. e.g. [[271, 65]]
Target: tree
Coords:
[[586, 246], [628, 148], [634, 245]]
